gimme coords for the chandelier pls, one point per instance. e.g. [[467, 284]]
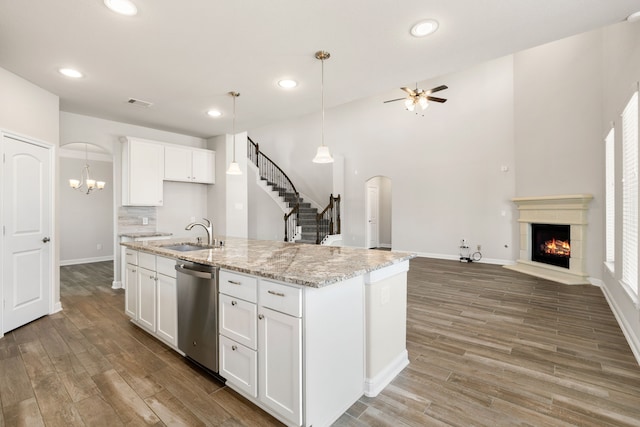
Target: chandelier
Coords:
[[85, 183]]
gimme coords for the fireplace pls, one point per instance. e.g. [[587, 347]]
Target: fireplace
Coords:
[[550, 244], [553, 231]]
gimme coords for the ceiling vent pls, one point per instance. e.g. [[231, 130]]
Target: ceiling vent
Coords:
[[139, 102]]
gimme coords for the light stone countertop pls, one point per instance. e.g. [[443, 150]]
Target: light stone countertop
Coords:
[[138, 234], [298, 263]]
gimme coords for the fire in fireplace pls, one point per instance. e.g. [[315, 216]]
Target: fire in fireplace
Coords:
[[551, 244]]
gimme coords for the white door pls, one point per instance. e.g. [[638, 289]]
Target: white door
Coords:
[[372, 217], [26, 213]]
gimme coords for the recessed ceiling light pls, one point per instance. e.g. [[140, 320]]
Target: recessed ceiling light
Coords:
[[634, 17], [424, 28], [70, 72], [123, 7], [214, 113], [287, 83]]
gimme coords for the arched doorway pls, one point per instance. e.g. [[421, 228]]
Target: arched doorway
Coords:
[[86, 221], [378, 232]]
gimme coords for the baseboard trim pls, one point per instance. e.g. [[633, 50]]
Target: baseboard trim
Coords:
[[116, 284], [627, 330], [373, 386], [457, 258], [57, 307], [85, 260]]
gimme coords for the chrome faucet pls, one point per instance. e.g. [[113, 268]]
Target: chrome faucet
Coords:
[[208, 226]]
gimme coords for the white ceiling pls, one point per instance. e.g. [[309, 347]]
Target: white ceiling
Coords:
[[185, 56]]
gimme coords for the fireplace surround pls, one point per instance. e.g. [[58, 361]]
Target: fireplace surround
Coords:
[[568, 211]]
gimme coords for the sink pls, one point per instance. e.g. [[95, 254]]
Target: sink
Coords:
[[187, 247]]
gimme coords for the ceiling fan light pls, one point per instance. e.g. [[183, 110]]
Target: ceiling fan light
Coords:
[[423, 103], [323, 155], [410, 104]]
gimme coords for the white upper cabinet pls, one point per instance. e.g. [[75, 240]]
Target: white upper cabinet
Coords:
[[187, 164], [142, 172]]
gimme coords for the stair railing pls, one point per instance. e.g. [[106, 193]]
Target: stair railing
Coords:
[[272, 173], [328, 221]]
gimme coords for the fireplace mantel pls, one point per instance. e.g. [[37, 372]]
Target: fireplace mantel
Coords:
[[566, 209]]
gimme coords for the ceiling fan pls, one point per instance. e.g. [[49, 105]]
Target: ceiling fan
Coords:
[[420, 97]]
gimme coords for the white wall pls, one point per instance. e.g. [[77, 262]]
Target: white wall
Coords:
[[237, 204], [31, 111], [86, 220], [217, 194], [386, 214], [265, 216], [558, 127], [445, 166]]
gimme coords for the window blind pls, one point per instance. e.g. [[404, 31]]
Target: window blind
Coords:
[[610, 199], [630, 194]]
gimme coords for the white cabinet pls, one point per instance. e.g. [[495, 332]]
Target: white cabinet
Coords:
[[306, 338], [280, 363], [131, 285], [142, 172], [146, 299], [151, 294], [189, 164], [238, 331]]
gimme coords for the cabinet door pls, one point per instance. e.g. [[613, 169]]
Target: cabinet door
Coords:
[[203, 166], [177, 163], [147, 299], [144, 173], [131, 291], [238, 365], [280, 363], [167, 309], [238, 320]]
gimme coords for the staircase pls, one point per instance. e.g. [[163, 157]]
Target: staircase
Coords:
[[303, 223]]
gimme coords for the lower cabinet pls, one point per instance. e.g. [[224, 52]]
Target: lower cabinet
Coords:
[[151, 296], [280, 363]]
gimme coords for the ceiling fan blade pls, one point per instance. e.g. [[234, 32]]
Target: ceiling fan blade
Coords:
[[394, 100], [409, 91], [437, 89], [435, 99]]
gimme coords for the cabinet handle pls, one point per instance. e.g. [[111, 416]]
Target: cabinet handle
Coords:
[[278, 294], [151, 277], [260, 316], [134, 270], [233, 282], [234, 348], [234, 302]]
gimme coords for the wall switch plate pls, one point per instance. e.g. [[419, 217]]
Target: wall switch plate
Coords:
[[99, 246], [145, 220]]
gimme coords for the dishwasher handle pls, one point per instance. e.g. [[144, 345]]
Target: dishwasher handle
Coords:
[[184, 269]]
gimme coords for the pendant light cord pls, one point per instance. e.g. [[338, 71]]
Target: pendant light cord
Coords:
[[322, 97], [234, 126]]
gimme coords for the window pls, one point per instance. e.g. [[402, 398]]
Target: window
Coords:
[[630, 194], [610, 189]]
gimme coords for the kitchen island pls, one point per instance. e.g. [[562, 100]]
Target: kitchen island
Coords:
[[310, 330]]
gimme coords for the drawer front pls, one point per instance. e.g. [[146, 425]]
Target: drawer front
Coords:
[[239, 366], [131, 256], [239, 285], [147, 261], [282, 298], [166, 266], [238, 320]]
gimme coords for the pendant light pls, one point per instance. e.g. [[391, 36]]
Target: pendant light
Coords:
[[85, 183], [234, 167], [322, 155]]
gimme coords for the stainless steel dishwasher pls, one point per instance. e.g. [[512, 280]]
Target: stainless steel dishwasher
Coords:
[[198, 313]]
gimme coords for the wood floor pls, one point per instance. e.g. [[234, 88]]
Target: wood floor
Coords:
[[488, 347]]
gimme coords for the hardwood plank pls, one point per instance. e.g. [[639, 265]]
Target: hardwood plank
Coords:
[[124, 400], [36, 359], [23, 414], [14, 382], [97, 413], [55, 404], [171, 410], [243, 411]]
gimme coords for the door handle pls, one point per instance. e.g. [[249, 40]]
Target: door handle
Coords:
[[45, 240]]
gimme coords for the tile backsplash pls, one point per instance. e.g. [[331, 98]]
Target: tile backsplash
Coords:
[[130, 219]]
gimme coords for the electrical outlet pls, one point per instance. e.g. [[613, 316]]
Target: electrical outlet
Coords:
[[145, 220], [479, 247], [99, 246]]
